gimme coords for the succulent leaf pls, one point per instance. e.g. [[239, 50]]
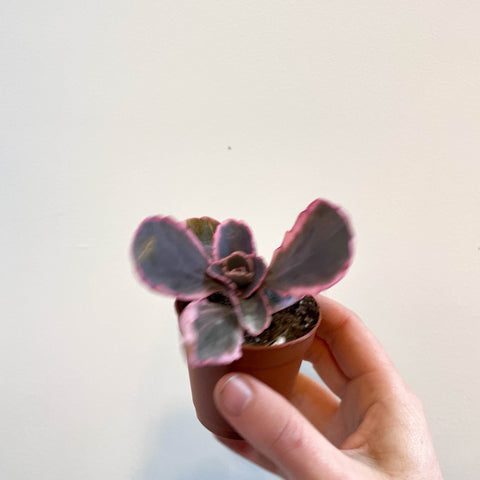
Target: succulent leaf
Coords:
[[314, 255], [260, 270], [211, 333], [255, 314], [171, 260], [203, 228], [232, 236], [215, 270], [278, 302]]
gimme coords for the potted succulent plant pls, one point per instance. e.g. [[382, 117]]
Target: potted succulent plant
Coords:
[[226, 296]]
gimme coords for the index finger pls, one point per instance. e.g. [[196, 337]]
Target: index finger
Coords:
[[354, 347]]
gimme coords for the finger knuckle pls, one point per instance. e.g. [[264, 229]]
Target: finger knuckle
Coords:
[[290, 437]]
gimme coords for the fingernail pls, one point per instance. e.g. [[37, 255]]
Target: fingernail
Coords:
[[235, 395]]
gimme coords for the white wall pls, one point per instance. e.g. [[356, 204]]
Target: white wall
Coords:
[[114, 110]]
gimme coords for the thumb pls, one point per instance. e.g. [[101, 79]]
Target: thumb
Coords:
[[276, 429]]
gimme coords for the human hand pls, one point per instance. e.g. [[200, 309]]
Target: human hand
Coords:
[[366, 425]]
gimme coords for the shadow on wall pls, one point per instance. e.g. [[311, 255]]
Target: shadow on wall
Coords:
[[181, 449]]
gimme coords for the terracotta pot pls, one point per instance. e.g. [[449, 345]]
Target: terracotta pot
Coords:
[[276, 365]]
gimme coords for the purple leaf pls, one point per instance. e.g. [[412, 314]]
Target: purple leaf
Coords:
[[254, 313], [260, 270], [314, 255], [171, 260], [215, 270], [232, 236], [211, 333], [279, 302]]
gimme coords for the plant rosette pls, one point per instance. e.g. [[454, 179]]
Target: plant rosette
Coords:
[[226, 296]]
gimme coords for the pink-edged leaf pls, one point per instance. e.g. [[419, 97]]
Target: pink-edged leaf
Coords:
[[171, 260], [232, 236], [211, 333], [254, 313], [215, 270], [260, 270], [314, 255]]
